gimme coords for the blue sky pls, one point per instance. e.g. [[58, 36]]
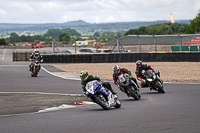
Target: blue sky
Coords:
[[95, 11]]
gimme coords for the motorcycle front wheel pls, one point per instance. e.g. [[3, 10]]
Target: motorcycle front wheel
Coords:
[[159, 85], [35, 72], [118, 104], [102, 102], [133, 93]]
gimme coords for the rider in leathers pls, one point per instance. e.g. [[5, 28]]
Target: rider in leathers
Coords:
[[138, 72], [85, 78], [117, 71], [35, 56]]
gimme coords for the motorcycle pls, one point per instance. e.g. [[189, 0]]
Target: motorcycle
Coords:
[[101, 95], [35, 68], [153, 80], [128, 86]]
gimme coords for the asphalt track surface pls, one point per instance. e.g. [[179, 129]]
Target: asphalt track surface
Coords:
[[175, 111]]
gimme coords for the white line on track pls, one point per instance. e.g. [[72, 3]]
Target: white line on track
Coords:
[[61, 107], [4, 53], [59, 76]]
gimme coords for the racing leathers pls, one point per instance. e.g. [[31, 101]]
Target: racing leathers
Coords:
[[139, 75], [122, 71], [35, 57], [91, 78]]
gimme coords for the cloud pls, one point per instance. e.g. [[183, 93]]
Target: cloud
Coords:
[[95, 11]]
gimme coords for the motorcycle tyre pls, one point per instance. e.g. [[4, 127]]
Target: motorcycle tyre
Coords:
[[133, 94], [160, 88], [118, 104], [35, 72], [101, 103]]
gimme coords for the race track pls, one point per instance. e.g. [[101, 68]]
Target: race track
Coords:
[[175, 111]]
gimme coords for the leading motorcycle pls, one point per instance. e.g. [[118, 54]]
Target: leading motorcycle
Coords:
[[35, 68], [128, 86], [101, 95], [153, 80]]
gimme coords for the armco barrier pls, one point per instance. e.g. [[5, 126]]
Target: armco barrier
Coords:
[[117, 57]]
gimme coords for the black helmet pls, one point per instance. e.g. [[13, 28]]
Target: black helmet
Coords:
[[139, 64], [84, 75], [116, 69]]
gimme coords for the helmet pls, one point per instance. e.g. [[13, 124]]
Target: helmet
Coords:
[[84, 75], [139, 64], [36, 51], [116, 69]]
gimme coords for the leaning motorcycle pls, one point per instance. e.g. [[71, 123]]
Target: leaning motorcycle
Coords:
[[128, 86], [35, 68], [101, 95], [153, 80]]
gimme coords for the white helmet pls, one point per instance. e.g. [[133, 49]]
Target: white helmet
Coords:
[[36, 51], [116, 69]]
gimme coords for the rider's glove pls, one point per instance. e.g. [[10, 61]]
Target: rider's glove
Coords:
[[144, 81], [118, 86]]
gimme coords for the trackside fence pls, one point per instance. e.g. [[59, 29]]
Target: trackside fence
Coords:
[[113, 57]]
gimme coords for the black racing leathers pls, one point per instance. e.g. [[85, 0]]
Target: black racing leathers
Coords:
[[35, 57], [122, 70], [138, 71], [91, 78], [139, 75]]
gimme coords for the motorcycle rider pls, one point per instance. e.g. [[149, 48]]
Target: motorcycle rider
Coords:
[[138, 72], [117, 70], [35, 56], [85, 78]]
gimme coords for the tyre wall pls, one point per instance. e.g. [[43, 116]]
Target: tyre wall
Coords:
[[123, 57]]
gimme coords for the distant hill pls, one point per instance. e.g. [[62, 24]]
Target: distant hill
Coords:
[[81, 26]]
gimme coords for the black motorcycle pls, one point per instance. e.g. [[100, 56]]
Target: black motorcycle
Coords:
[[153, 80], [35, 68], [128, 86]]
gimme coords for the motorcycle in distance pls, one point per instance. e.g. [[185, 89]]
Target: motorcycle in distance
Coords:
[[101, 95], [153, 80], [35, 68], [128, 86]]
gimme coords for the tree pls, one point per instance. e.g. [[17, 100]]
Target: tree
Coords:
[[14, 38], [132, 32], [57, 32], [23, 38], [67, 38], [71, 32], [97, 34], [64, 37], [3, 41], [142, 30], [54, 32], [194, 26]]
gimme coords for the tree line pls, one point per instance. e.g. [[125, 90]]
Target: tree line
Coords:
[[168, 28], [65, 35]]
